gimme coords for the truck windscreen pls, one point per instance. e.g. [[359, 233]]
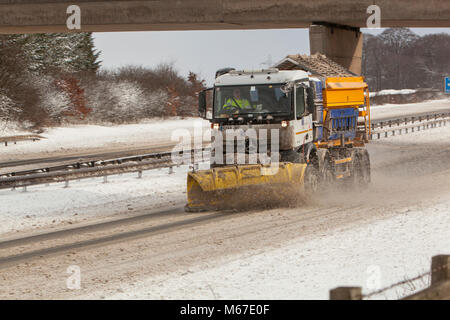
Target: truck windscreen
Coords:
[[257, 99]]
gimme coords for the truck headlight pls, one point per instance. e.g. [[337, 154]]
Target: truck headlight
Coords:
[[284, 123]]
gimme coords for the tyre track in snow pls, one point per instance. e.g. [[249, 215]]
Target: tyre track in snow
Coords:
[[25, 249]]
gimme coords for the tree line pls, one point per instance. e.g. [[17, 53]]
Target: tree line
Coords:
[[400, 59], [47, 79]]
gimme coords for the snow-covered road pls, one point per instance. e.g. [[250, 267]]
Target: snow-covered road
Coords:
[[370, 239]]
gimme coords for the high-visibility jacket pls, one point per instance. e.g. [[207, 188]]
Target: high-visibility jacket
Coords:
[[237, 103]]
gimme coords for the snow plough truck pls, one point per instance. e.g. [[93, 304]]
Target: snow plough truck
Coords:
[[292, 130]]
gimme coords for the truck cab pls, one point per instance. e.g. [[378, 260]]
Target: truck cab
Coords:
[[265, 99]]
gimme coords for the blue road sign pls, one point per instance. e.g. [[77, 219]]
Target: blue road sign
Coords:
[[447, 85]]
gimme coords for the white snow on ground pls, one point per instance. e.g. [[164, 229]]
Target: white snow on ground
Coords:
[[86, 199], [11, 129], [405, 110], [372, 256], [96, 136], [392, 91]]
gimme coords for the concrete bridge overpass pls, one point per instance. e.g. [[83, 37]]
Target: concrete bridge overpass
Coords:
[[335, 31]]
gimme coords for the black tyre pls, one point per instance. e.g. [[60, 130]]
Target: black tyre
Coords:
[[328, 178], [312, 179], [361, 170]]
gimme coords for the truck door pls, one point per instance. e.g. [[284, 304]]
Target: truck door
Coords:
[[303, 124]]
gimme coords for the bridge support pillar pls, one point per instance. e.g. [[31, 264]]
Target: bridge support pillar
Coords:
[[342, 44]]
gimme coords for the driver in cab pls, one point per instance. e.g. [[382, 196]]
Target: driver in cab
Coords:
[[236, 102]]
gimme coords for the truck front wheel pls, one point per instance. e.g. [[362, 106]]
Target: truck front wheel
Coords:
[[311, 179]]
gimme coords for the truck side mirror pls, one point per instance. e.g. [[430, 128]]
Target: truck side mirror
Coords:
[[202, 104], [310, 99]]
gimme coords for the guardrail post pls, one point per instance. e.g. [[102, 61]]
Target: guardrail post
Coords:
[[440, 269], [139, 175], [105, 179], [346, 293], [66, 183]]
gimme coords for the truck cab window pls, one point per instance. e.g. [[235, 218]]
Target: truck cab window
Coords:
[[300, 102]]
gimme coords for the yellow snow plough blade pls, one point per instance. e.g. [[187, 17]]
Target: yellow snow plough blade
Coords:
[[243, 186]]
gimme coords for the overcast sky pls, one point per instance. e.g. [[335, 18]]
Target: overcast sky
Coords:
[[206, 51]]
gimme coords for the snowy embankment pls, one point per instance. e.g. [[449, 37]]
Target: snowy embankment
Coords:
[[54, 205], [83, 138], [8, 129], [406, 110], [391, 92]]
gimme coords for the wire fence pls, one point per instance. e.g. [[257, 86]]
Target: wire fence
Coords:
[[395, 285], [385, 129], [439, 273]]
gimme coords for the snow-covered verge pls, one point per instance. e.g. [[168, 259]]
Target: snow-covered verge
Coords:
[[391, 91], [11, 129], [54, 205], [60, 140], [404, 110]]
